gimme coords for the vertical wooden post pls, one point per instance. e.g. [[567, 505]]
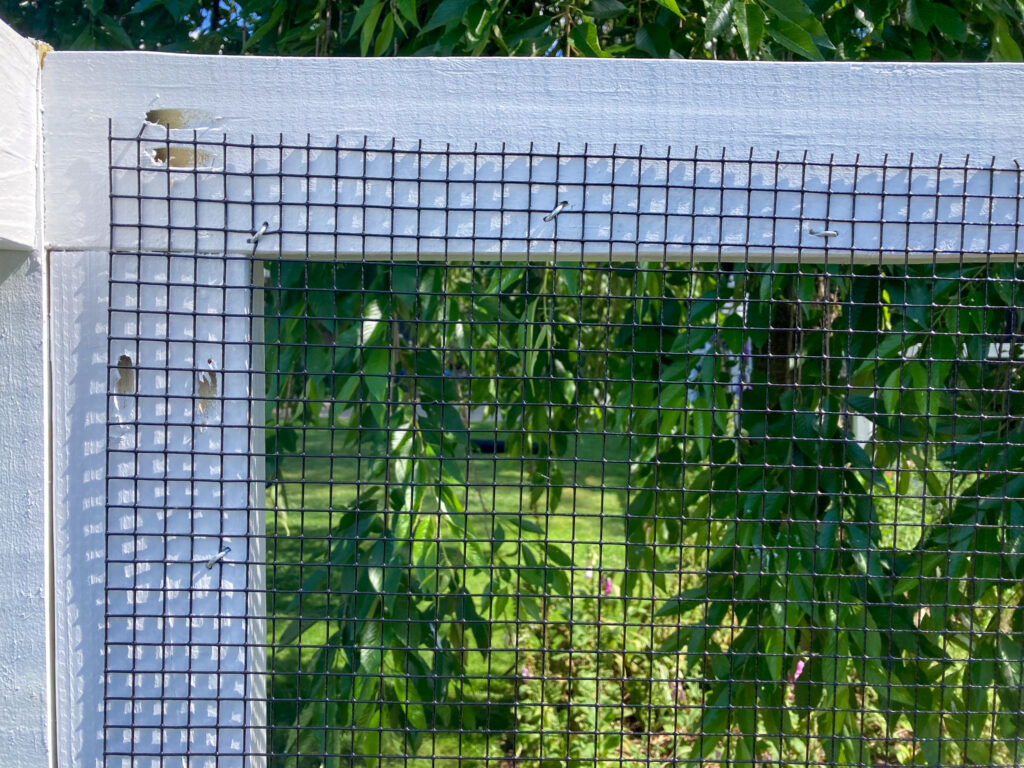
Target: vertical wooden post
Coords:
[[182, 484], [26, 610], [184, 527]]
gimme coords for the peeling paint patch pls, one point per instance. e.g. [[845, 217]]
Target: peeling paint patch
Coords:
[[207, 390], [182, 157], [41, 50], [125, 376], [181, 118]]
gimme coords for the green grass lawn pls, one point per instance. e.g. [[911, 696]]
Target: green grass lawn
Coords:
[[317, 479]]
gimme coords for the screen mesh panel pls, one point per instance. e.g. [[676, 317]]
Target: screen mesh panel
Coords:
[[498, 487]]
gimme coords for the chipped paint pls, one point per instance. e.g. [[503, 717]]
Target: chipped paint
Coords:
[[207, 391], [181, 118], [41, 50], [182, 157], [125, 376], [176, 119]]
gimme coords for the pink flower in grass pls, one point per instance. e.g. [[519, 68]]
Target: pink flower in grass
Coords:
[[799, 670], [608, 586]]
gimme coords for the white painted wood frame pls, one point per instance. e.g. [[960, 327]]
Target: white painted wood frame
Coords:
[[824, 110], [887, 114], [26, 629]]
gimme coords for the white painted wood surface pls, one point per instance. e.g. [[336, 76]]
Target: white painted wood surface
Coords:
[[182, 481], [19, 141], [24, 561], [26, 671], [823, 109], [79, 426]]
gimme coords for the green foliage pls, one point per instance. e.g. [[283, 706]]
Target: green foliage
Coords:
[[579, 700], [921, 30], [784, 497], [889, 575], [404, 551]]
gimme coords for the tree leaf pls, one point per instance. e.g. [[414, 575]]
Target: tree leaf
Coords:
[[408, 9], [584, 40], [672, 5], [713, 727], [719, 18], [793, 10], [115, 30], [531, 29], [798, 14], [691, 598], [1003, 46], [360, 18], [919, 15], [85, 40], [604, 9], [366, 33], [793, 37], [1009, 673], [447, 11], [144, 5], [749, 20], [386, 35], [269, 24], [178, 8], [653, 40]]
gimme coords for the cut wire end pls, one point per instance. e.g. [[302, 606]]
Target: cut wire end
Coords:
[[557, 210], [825, 233], [258, 233], [217, 557]]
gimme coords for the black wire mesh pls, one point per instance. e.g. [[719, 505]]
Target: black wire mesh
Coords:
[[564, 512]]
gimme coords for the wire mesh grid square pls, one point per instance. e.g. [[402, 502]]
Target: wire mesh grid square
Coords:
[[606, 459]]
